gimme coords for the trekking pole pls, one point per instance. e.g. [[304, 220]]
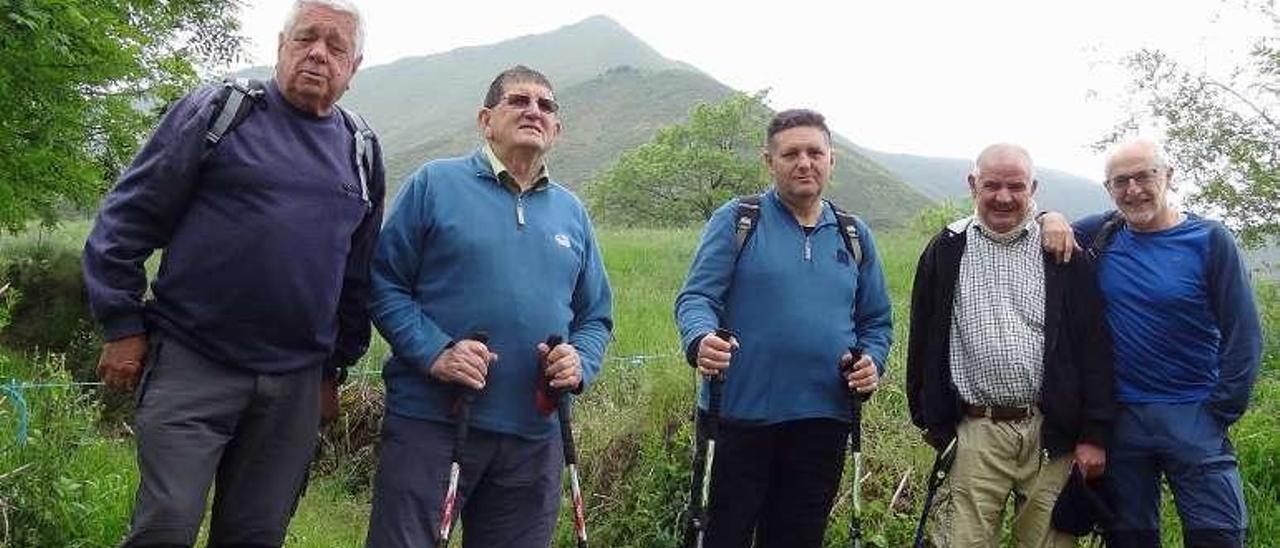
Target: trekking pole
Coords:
[[941, 467], [855, 453], [463, 398], [565, 413], [704, 458]]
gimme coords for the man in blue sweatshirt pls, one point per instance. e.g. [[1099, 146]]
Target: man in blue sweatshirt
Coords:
[[797, 298], [261, 295], [1187, 345], [484, 243]]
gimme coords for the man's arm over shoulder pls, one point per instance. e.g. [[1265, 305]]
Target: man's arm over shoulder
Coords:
[[394, 272], [872, 309], [139, 214], [592, 306], [1091, 350], [1087, 228], [700, 304], [353, 303], [1240, 351]]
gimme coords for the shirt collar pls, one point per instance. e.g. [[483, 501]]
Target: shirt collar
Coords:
[[1028, 227], [504, 176]]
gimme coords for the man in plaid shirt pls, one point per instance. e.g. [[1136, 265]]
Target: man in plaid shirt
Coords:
[[1009, 355]]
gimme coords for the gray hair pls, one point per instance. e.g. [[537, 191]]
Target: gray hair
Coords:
[[1147, 145], [1000, 149], [342, 6]]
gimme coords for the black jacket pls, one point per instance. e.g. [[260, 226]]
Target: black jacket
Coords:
[[1076, 395]]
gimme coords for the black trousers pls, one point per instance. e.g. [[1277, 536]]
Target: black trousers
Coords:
[[775, 483]]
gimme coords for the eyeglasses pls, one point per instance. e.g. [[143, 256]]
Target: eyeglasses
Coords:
[[1144, 178], [521, 101]]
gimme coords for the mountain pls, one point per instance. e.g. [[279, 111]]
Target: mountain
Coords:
[[944, 179], [616, 92]]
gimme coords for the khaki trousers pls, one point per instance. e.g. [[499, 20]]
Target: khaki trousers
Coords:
[[993, 460]]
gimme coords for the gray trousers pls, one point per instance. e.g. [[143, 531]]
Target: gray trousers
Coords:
[[198, 421], [509, 491]]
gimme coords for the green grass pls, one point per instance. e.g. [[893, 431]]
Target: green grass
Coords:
[[74, 487]]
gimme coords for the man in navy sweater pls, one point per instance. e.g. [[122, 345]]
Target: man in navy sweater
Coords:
[[797, 300], [484, 243], [1187, 345], [261, 295]]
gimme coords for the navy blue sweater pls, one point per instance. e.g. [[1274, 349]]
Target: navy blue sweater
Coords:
[[266, 243], [1182, 315]]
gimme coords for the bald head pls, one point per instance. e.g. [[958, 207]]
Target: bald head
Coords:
[[1136, 151], [1139, 180], [1004, 156]]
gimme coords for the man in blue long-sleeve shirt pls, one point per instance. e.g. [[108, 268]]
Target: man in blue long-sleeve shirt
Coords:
[[798, 298], [1188, 346], [484, 243], [262, 292]]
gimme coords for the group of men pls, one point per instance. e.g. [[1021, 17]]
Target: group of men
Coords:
[[1129, 361]]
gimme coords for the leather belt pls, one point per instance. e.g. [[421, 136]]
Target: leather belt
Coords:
[[998, 413]]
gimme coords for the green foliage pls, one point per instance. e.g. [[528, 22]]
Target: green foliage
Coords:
[[1223, 133], [929, 221], [53, 313], [687, 170], [72, 77]]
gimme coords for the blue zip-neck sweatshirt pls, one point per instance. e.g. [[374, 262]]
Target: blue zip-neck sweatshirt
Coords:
[[1181, 313], [461, 252], [266, 242], [797, 302]]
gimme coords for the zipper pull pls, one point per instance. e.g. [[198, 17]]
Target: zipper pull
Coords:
[[520, 211], [808, 249]]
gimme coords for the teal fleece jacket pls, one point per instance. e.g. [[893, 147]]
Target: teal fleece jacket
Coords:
[[460, 253]]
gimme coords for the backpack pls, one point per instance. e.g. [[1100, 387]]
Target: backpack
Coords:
[[1111, 223], [749, 217], [241, 95]]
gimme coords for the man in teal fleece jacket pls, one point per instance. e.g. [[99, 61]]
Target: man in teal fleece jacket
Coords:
[[484, 243], [797, 300]]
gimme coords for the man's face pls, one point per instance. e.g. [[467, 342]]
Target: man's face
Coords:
[[524, 118], [1002, 189], [800, 161], [1138, 186], [317, 58]]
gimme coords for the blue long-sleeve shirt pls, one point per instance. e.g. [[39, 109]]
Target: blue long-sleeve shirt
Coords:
[[461, 252], [266, 242], [797, 302], [1181, 313]]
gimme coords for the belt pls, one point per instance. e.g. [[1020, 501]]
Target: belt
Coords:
[[998, 413]]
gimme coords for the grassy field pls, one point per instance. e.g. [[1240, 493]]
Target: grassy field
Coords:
[[71, 483]]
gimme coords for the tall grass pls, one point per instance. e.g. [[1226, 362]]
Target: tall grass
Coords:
[[72, 486]]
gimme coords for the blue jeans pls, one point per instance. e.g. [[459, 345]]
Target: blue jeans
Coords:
[[1189, 446]]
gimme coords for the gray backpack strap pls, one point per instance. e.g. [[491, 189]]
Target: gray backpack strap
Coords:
[[1111, 224], [748, 218], [848, 223], [242, 94], [363, 137]]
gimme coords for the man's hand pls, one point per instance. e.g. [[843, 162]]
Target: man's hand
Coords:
[[329, 405], [1057, 237], [564, 367], [714, 354], [466, 362], [1091, 459], [862, 375], [121, 362]]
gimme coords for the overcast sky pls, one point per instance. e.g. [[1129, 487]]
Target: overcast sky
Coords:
[[938, 78]]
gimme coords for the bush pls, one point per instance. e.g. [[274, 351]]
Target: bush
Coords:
[[53, 312]]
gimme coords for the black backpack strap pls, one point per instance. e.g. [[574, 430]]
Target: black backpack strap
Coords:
[[1111, 224], [363, 137], [748, 218], [848, 224], [239, 98]]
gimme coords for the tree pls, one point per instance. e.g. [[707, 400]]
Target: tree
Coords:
[[687, 170], [76, 78], [1222, 133]]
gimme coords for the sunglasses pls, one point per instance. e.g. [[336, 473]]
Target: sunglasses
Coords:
[[1144, 178], [521, 101]]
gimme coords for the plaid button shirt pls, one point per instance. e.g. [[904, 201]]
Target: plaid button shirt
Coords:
[[997, 328]]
